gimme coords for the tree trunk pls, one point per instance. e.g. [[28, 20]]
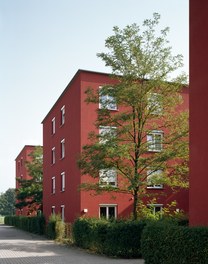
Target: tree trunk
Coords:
[[135, 204]]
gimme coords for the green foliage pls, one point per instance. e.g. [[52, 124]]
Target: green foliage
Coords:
[[30, 192], [113, 238], [55, 228], [141, 63], [34, 225], [7, 202], [166, 242]]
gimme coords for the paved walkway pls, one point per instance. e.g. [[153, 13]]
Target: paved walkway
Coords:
[[19, 247]]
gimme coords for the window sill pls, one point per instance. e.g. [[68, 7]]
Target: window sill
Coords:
[[155, 188]]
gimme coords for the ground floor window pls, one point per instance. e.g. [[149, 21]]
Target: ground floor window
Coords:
[[62, 212], [108, 211], [53, 209], [156, 208]]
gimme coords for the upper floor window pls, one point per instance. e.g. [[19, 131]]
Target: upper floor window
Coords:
[[108, 211], [106, 132], [108, 177], [106, 101], [154, 179], [53, 126], [154, 103], [154, 140], [62, 115], [63, 181], [62, 148], [53, 156], [53, 185]]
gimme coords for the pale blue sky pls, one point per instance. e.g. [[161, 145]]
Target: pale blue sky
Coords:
[[42, 45]]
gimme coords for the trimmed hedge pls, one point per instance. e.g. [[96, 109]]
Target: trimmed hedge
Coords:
[[113, 238], [170, 244], [55, 228], [34, 225]]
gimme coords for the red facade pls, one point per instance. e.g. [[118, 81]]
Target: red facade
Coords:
[[65, 131], [198, 112], [21, 171]]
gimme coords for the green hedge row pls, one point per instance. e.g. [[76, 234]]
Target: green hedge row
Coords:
[[34, 225], [170, 244], [113, 238], [55, 228]]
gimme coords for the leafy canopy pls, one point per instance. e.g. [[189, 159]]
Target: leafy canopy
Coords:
[[148, 128], [30, 192]]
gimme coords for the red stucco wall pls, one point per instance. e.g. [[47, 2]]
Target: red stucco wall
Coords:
[[198, 112]]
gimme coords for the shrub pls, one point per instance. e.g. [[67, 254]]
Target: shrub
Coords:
[[55, 228], [165, 242], [123, 239], [83, 232], [113, 238], [34, 225]]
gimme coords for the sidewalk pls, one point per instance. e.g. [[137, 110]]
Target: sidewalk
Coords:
[[19, 247]]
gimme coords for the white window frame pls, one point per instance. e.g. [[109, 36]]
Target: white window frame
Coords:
[[62, 148], [63, 115], [152, 141], [53, 185], [152, 174], [154, 206], [108, 177], [53, 155], [63, 178], [53, 126], [62, 212], [102, 99], [53, 209], [104, 130], [154, 104], [107, 206]]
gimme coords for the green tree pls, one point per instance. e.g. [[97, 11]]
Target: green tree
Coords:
[[146, 141], [7, 202], [30, 192]]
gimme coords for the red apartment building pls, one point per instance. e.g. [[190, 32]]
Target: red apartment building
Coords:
[[65, 131], [21, 171], [198, 112]]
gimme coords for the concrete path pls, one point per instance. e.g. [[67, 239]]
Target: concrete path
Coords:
[[19, 247]]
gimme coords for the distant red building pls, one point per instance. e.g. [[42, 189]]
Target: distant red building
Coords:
[[65, 131], [198, 112], [21, 171]]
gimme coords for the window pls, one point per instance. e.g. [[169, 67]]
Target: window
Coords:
[[53, 185], [53, 126], [53, 156], [62, 115], [108, 177], [106, 132], [107, 101], [154, 140], [108, 211], [62, 212], [154, 103], [63, 181], [153, 179], [53, 209], [156, 208], [62, 148]]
